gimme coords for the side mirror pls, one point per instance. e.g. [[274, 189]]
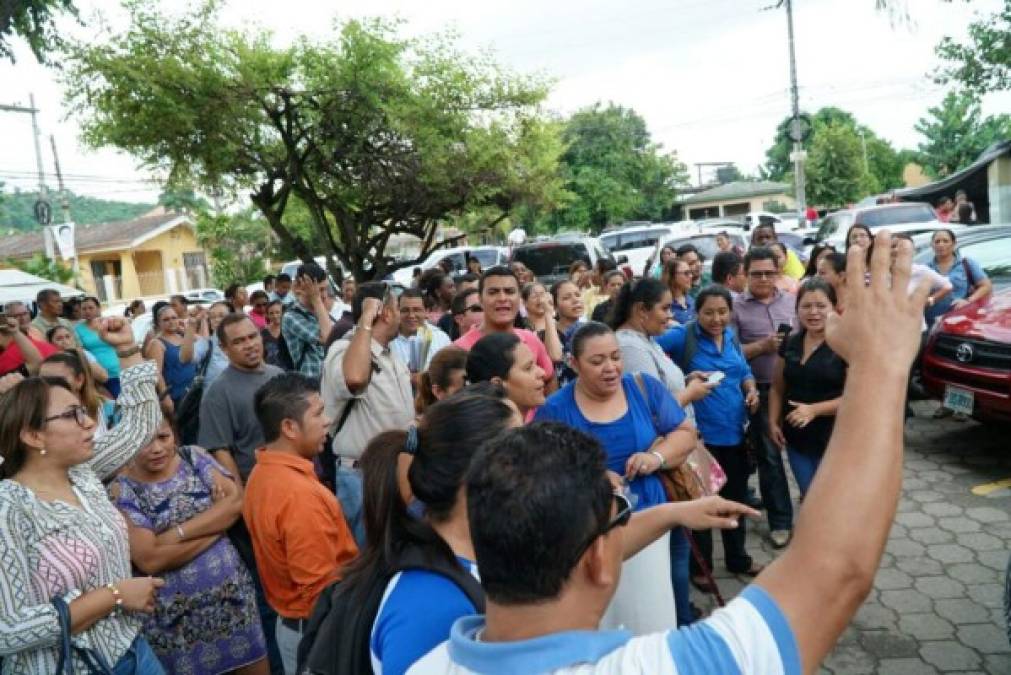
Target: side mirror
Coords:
[[621, 260]]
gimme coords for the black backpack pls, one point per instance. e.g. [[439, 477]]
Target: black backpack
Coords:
[[187, 414], [336, 638]]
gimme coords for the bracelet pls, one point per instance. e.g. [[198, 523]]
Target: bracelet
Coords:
[[128, 352], [179, 531], [116, 595], [663, 462], [366, 328]]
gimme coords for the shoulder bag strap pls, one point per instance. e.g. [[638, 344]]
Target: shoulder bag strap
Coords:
[[968, 276], [691, 346], [641, 384], [206, 361]]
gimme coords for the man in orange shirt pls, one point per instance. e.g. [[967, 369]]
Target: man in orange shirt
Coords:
[[300, 537]]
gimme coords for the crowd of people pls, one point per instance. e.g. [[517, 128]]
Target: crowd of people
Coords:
[[356, 477]]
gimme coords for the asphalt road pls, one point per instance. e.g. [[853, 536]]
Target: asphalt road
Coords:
[[937, 603]]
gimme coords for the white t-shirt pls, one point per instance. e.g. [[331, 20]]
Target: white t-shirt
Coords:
[[416, 352], [750, 635]]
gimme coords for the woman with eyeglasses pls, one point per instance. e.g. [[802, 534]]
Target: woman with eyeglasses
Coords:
[[178, 503], [61, 539], [677, 277], [643, 430], [258, 301], [69, 366]]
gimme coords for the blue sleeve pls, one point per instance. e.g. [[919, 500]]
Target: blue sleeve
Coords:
[[978, 273], [733, 639], [673, 342], [553, 409], [416, 618], [669, 414]]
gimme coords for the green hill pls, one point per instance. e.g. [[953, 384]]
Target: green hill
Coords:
[[17, 210]]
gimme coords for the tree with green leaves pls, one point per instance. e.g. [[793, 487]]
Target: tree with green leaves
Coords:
[[956, 132], [835, 172], [982, 63], [375, 134], [41, 266], [884, 165], [32, 20], [614, 171], [17, 209], [236, 245]]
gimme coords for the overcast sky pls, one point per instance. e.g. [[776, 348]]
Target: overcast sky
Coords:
[[711, 77]]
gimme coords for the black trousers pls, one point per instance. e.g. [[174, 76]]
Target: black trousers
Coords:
[[734, 461]]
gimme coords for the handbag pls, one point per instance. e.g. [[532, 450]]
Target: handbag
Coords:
[[700, 475], [188, 414], [93, 661]]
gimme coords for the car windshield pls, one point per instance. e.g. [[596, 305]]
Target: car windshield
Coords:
[[994, 256], [625, 241], [705, 244], [487, 257], [834, 223], [898, 215], [550, 259]]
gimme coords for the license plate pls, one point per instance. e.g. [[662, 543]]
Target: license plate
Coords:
[[959, 400]]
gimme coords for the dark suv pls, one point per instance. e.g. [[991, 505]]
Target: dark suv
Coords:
[[550, 260]]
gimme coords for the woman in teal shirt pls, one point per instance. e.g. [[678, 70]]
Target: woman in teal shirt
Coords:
[[87, 334]]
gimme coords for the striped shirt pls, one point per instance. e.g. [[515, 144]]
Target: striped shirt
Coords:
[[750, 635], [50, 549]]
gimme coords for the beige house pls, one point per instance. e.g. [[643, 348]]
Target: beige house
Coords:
[[736, 199], [153, 255]]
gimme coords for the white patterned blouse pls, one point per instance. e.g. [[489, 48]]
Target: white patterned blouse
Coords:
[[50, 549]]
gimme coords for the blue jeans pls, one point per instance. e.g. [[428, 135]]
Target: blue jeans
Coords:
[[680, 552], [287, 643], [349, 494], [138, 660], [112, 386], [772, 481], [804, 465]]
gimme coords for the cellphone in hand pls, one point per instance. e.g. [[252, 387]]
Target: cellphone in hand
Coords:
[[715, 378], [784, 330]]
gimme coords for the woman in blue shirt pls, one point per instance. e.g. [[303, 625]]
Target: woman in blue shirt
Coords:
[[87, 335], [641, 435], [968, 280], [418, 606], [709, 345], [677, 276]]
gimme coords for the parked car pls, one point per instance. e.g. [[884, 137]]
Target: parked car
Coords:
[[457, 256], [550, 260], [967, 361], [908, 217], [204, 295], [637, 242]]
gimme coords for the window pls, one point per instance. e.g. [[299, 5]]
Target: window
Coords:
[[994, 256], [625, 241], [487, 257], [898, 215], [551, 259]]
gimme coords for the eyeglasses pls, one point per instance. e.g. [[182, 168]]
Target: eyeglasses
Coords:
[[475, 308], [78, 413], [763, 274], [626, 505]]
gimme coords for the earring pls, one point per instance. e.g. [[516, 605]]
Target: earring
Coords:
[[42, 452]]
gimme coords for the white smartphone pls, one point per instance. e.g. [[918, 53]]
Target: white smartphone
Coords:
[[715, 378]]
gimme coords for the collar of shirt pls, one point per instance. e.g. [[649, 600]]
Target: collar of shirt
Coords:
[[302, 465], [541, 654], [746, 296], [375, 347]]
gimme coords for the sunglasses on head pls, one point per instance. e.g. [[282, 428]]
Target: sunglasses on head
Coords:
[[626, 504]]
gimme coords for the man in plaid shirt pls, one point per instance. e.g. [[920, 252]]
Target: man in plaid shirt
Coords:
[[307, 324]]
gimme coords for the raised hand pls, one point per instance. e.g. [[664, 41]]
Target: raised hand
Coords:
[[116, 331]]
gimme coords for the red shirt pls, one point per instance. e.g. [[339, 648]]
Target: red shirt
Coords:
[[11, 358], [468, 340]]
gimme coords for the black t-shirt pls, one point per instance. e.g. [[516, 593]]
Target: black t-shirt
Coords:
[[601, 311], [820, 378]]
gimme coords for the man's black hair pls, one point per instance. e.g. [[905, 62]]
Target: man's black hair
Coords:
[[496, 271], [370, 289], [282, 277], [269, 279], [285, 397], [311, 270], [459, 304], [725, 264], [531, 510], [758, 253], [412, 293]]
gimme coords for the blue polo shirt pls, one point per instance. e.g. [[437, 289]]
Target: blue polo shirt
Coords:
[[721, 415], [683, 313], [415, 615], [750, 635], [959, 283], [632, 432]]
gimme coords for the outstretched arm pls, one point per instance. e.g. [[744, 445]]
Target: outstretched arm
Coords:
[[823, 577]]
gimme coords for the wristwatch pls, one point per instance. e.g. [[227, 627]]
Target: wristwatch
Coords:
[[125, 353]]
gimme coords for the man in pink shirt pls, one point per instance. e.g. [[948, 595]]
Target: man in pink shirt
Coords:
[[500, 298]]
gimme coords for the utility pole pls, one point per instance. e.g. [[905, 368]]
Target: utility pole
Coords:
[[797, 124], [64, 201]]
